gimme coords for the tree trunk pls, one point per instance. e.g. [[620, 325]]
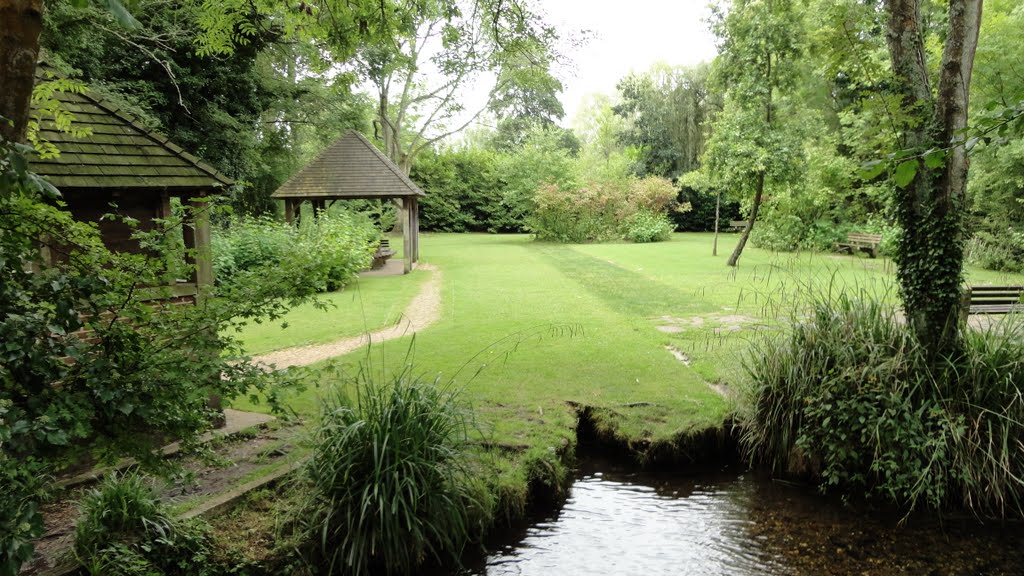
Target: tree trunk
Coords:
[[931, 208], [758, 194], [718, 207], [21, 21]]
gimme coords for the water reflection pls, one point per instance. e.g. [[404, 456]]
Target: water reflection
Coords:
[[723, 523], [621, 523]]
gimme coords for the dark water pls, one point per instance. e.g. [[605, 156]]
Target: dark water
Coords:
[[623, 523]]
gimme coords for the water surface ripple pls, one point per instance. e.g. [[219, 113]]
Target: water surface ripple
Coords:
[[614, 525], [621, 523]]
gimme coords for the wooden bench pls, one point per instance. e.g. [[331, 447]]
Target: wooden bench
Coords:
[[856, 241], [993, 299], [381, 255], [736, 226]]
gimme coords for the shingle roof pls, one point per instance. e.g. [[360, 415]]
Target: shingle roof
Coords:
[[351, 167], [119, 153]]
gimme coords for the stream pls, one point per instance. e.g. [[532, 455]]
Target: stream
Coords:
[[623, 522]]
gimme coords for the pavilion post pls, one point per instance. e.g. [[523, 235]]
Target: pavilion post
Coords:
[[289, 210], [406, 220], [201, 241], [414, 223]]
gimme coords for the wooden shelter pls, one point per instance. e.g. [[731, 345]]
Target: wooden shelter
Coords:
[[352, 168], [121, 163]]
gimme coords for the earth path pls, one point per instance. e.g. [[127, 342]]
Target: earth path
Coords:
[[424, 310]]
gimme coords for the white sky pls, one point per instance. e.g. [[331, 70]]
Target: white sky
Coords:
[[621, 37], [627, 36]]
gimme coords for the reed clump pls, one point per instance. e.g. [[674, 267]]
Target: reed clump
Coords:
[[390, 486], [844, 395]]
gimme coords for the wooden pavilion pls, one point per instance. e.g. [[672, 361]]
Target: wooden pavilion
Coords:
[[352, 168], [121, 162]]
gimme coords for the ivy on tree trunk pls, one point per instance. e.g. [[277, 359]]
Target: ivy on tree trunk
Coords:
[[930, 206]]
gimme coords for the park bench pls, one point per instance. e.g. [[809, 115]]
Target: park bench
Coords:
[[381, 255], [736, 226], [856, 241], [993, 299]]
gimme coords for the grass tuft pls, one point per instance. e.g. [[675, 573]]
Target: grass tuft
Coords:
[[390, 484]]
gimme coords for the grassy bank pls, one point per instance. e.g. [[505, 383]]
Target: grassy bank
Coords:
[[532, 331]]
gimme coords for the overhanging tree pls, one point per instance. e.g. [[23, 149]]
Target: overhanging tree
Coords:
[[465, 42]]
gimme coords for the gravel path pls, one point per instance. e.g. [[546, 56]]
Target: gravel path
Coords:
[[424, 310]]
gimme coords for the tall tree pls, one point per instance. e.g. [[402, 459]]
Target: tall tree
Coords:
[[21, 22], [668, 108], [931, 185], [752, 146], [441, 49]]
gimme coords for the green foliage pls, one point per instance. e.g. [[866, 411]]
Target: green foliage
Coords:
[[463, 194], [646, 226], [124, 505], [322, 254], [125, 530], [1001, 250], [476, 190], [95, 363], [604, 211], [847, 397], [668, 109], [389, 482], [20, 492]]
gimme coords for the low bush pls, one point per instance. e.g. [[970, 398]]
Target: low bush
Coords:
[[389, 482], [790, 232], [846, 396], [605, 210], [647, 226], [125, 530]]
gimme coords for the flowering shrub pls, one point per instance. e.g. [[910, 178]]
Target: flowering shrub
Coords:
[[601, 211]]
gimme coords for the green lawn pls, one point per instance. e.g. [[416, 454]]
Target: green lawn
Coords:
[[528, 328]]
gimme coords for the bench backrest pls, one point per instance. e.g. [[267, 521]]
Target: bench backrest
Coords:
[[858, 237], [995, 294], [738, 223]]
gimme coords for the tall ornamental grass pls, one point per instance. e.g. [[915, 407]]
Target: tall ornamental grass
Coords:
[[389, 483], [845, 396]]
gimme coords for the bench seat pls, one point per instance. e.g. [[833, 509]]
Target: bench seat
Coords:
[[382, 254], [995, 299], [856, 241], [736, 226]]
